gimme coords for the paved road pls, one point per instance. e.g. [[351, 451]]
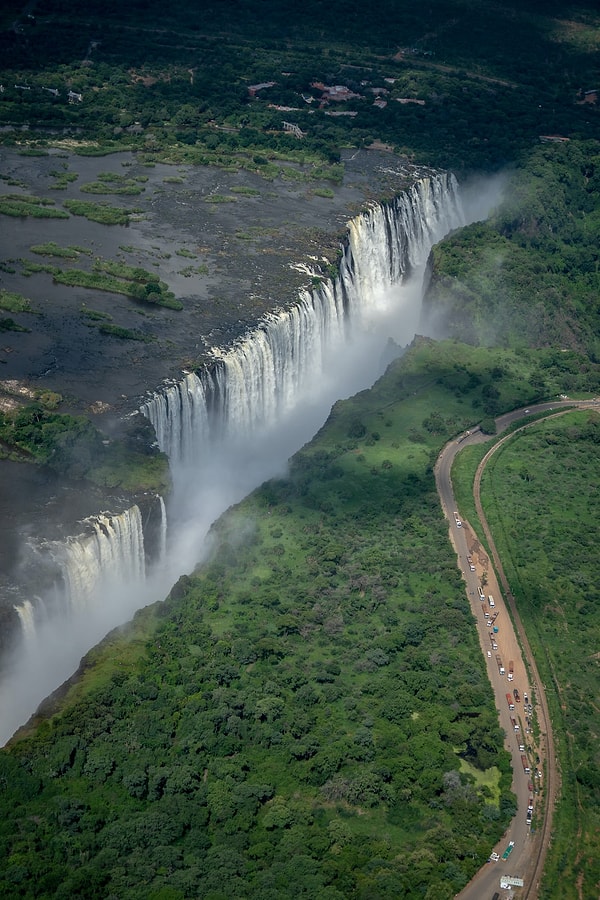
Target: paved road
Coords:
[[527, 856]]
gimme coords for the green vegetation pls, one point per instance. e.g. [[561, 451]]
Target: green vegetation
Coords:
[[126, 334], [31, 268], [118, 278], [95, 315], [109, 183], [13, 302], [545, 479], [219, 198], [52, 249], [323, 192], [73, 447], [484, 82], [308, 714], [189, 271], [62, 180], [530, 275], [8, 324], [99, 212], [245, 190], [17, 205], [311, 700]]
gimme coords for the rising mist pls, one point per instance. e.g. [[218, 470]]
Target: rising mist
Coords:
[[377, 297]]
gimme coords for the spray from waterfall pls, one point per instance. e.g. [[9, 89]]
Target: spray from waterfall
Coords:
[[230, 426]]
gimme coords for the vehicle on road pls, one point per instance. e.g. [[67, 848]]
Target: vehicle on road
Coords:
[[511, 670], [508, 850], [494, 857], [517, 695], [457, 520], [509, 700]]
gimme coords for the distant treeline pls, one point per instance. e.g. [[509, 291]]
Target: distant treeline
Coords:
[[488, 82]]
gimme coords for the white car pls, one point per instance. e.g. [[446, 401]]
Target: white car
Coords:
[[489, 653]]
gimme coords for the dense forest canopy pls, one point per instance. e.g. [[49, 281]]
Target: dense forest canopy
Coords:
[[468, 84]]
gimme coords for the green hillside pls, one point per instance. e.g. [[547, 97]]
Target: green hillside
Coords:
[[293, 718]]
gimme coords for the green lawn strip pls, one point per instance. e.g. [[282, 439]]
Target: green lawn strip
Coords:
[[543, 505], [463, 476]]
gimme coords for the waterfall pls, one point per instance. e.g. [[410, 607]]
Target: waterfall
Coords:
[[233, 424], [93, 582], [26, 616], [109, 552], [112, 553], [163, 532], [257, 382]]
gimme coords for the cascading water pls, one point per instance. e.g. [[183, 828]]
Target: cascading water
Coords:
[[26, 614], [112, 554], [258, 382], [236, 423], [95, 581]]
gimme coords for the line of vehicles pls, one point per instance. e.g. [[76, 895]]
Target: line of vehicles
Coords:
[[490, 613], [511, 698]]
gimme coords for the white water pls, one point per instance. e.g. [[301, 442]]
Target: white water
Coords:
[[27, 619], [111, 555], [102, 581], [229, 429]]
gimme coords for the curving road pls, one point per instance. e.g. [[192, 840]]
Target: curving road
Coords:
[[527, 857]]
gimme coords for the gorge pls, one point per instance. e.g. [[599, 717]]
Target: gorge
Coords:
[[233, 423]]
